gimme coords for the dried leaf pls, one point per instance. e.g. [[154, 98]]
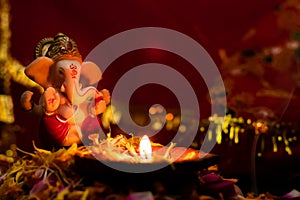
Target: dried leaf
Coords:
[[61, 195], [18, 175]]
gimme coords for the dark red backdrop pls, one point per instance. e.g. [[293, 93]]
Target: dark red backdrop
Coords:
[[213, 23]]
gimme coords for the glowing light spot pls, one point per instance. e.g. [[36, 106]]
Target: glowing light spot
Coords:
[[240, 120], [152, 110], [276, 50], [182, 128], [279, 138], [259, 154], [157, 126], [159, 109], [225, 130], [288, 150], [169, 116], [169, 126], [210, 135], [9, 153], [176, 121], [294, 138], [292, 45]]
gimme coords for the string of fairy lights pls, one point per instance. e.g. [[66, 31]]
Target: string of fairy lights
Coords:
[[229, 129], [225, 130]]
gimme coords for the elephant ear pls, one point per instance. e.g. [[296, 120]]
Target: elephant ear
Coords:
[[39, 70], [90, 74]]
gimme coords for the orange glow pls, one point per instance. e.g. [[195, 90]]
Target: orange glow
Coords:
[[152, 110], [169, 116]]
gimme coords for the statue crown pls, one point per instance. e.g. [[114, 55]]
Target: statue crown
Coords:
[[57, 48]]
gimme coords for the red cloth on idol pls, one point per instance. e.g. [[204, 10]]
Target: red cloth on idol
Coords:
[[53, 130]]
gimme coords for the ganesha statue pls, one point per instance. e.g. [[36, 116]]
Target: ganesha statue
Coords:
[[71, 103]]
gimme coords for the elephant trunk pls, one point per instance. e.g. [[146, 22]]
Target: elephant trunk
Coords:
[[75, 94]]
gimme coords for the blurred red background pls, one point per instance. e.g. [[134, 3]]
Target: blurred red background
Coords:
[[214, 24]]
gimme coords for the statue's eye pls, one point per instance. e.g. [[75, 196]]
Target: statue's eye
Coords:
[[61, 71]]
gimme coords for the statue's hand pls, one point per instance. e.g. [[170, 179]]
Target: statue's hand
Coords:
[[106, 96], [26, 100], [51, 100], [100, 103]]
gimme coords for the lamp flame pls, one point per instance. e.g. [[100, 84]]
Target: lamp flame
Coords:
[[145, 148]]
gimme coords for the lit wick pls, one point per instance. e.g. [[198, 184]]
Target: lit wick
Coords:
[[145, 148]]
